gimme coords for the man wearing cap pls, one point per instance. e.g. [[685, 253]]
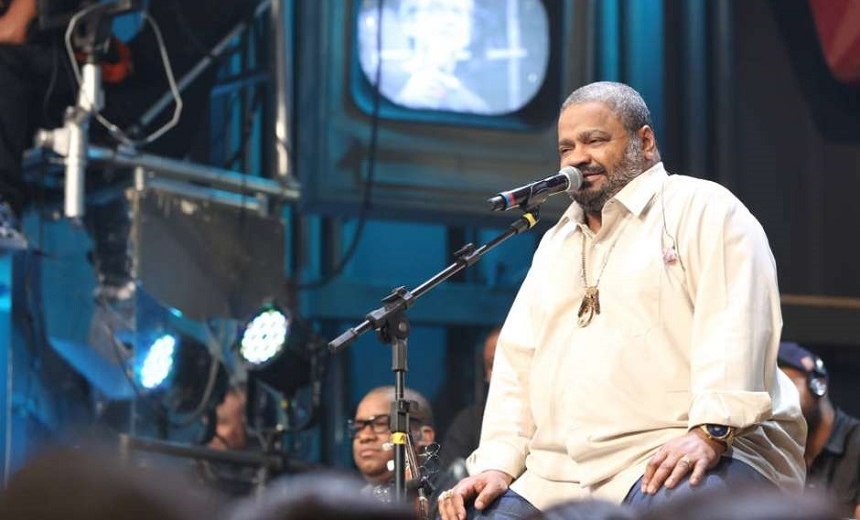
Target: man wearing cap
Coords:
[[833, 443]]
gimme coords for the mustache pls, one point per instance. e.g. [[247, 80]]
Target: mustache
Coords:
[[591, 170]]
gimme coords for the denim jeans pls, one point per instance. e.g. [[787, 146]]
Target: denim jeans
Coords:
[[727, 474], [509, 506]]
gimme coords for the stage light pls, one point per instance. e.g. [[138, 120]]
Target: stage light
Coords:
[[265, 337], [279, 349], [156, 363]]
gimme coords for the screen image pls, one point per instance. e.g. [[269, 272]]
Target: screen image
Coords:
[[483, 57]]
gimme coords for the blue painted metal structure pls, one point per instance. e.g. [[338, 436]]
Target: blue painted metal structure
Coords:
[[29, 413]]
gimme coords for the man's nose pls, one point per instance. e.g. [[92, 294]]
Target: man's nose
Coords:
[[578, 158]]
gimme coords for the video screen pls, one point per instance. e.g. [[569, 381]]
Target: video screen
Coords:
[[485, 57]]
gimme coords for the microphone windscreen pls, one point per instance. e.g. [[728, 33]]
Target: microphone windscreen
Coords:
[[574, 177]]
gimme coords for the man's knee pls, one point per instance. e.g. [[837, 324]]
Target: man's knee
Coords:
[[727, 474], [509, 506]]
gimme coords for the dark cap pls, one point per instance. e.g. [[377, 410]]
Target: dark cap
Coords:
[[793, 355]]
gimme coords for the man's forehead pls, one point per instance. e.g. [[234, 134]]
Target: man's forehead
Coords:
[[591, 115], [374, 404]]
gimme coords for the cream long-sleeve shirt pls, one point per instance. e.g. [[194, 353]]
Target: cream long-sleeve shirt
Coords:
[[577, 411]]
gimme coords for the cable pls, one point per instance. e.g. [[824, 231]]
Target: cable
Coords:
[[192, 35], [317, 371], [113, 129], [52, 81], [241, 151], [155, 406], [371, 169]]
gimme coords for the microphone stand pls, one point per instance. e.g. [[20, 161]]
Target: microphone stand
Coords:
[[392, 326]]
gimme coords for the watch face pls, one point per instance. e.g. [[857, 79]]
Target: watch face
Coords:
[[717, 430]]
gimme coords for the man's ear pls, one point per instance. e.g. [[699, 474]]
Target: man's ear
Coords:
[[649, 141]]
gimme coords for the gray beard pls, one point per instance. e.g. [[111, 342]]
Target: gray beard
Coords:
[[633, 164]]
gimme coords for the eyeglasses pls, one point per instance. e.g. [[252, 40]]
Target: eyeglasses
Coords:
[[377, 423]]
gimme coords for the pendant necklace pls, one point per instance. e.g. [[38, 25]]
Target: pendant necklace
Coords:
[[591, 300]]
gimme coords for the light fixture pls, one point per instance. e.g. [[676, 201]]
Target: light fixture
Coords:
[[278, 349], [265, 336], [155, 362], [180, 378]]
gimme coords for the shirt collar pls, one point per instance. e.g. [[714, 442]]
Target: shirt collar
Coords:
[[638, 193], [635, 196], [839, 436]]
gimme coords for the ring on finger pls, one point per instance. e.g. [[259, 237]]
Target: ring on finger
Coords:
[[685, 460]]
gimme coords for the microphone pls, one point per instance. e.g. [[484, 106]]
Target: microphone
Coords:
[[76, 164], [77, 126], [568, 180]]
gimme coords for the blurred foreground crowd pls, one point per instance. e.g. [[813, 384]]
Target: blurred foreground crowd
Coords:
[[72, 485]]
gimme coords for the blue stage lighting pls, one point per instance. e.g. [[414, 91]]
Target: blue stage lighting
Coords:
[[157, 362], [264, 337]]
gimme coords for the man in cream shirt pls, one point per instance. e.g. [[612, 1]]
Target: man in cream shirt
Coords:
[[638, 361]]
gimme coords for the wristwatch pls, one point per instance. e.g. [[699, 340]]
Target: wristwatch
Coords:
[[719, 432]]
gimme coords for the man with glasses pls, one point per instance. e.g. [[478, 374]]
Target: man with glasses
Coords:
[[370, 430]]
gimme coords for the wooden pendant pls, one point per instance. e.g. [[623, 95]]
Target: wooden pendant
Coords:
[[589, 307]]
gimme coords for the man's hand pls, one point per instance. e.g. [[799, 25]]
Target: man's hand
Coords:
[[488, 486], [674, 460], [16, 21]]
